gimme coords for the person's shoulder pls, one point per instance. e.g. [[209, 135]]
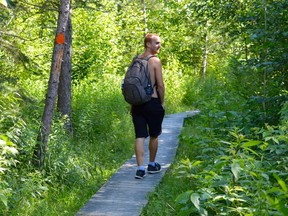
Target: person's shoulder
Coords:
[[155, 59]]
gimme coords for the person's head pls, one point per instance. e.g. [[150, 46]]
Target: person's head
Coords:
[[152, 42]]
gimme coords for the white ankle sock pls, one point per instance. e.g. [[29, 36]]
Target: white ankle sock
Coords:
[[151, 163], [141, 167]]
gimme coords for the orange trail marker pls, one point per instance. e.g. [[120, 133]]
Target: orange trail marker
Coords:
[[60, 39]]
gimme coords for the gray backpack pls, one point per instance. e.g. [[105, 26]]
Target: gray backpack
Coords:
[[136, 87]]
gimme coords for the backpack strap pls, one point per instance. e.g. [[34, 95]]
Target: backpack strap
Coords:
[[146, 71], [148, 57]]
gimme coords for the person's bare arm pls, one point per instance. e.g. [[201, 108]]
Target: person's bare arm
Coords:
[[157, 66]]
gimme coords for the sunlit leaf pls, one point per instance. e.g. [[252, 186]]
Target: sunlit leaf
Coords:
[[7, 3], [252, 151], [251, 143], [253, 174], [4, 3], [220, 197], [184, 197], [3, 199], [195, 200], [196, 163], [235, 168], [280, 182]]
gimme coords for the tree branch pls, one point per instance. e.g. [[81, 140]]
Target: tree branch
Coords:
[[12, 35]]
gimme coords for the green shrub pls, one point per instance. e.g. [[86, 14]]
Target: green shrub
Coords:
[[227, 171], [8, 152]]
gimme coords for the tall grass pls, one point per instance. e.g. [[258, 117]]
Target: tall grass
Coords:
[[75, 166]]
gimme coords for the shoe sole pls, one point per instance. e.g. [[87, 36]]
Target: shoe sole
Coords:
[[139, 177], [153, 172]]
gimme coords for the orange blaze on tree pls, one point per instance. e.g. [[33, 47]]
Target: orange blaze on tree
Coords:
[[60, 39]]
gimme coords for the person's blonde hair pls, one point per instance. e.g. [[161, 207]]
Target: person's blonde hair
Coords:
[[148, 38]]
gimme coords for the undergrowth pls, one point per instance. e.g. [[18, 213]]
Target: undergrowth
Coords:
[[226, 163], [225, 172], [75, 167]]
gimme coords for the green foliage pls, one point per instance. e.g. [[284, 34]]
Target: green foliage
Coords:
[[174, 79], [227, 174], [94, 43], [7, 161], [102, 141], [284, 113], [223, 169], [99, 108], [7, 3]]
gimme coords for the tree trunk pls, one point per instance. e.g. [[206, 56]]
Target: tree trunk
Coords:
[[57, 58], [205, 53], [265, 58], [64, 90]]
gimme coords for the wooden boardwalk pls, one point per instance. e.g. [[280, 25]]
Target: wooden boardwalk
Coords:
[[123, 195]]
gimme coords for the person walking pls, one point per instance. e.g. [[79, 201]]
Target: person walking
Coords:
[[147, 118]]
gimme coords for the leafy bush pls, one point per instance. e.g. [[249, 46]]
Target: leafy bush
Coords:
[[226, 172], [238, 179], [102, 141], [8, 160], [175, 81]]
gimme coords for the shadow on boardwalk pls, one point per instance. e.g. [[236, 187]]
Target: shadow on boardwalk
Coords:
[[123, 195]]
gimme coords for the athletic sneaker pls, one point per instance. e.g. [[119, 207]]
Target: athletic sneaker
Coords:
[[140, 174], [154, 169]]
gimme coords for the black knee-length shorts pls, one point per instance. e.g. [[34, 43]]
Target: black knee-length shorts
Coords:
[[148, 118]]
